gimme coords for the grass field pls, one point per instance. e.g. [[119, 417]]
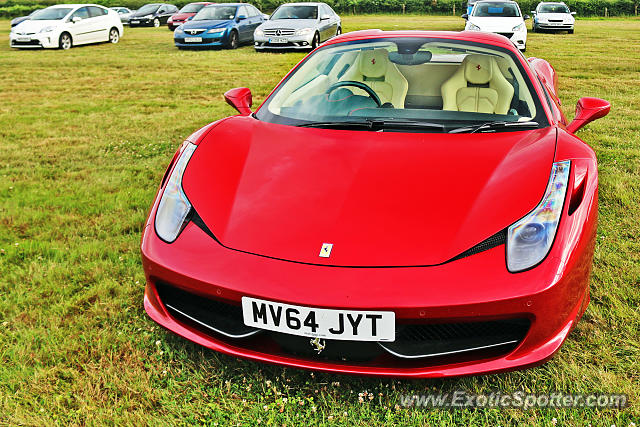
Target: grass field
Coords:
[[85, 136]]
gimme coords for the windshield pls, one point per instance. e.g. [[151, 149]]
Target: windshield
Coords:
[[296, 12], [192, 8], [437, 81], [216, 13], [148, 8], [51, 14], [497, 9], [554, 8]]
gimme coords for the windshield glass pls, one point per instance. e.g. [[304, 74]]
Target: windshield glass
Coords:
[[487, 9], [192, 8], [447, 82], [216, 13], [51, 14], [148, 8], [553, 8], [296, 12]]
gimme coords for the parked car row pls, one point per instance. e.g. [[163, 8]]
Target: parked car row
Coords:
[[505, 18], [291, 26]]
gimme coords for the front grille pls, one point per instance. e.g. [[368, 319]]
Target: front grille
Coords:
[[216, 316], [278, 32], [441, 339], [29, 43], [203, 41], [556, 20], [507, 35], [437, 343], [193, 32]]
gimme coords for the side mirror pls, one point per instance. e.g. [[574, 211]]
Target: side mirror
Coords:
[[265, 16], [76, 19], [240, 99], [190, 18], [526, 17], [464, 16], [573, 13], [242, 17], [588, 110], [533, 12], [325, 17]]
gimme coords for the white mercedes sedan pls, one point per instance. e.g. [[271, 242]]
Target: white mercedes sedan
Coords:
[[65, 25]]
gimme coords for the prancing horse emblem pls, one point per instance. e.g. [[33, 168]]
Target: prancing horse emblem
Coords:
[[318, 344], [325, 250], [478, 67]]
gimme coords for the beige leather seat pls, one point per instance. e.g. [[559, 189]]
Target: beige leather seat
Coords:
[[477, 86], [373, 68]]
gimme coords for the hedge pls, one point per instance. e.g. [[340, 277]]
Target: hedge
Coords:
[[13, 8]]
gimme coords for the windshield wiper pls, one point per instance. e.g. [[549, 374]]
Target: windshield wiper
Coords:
[[375, 125], [493, 126]]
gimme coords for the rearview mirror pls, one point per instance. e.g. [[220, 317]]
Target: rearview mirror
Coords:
[[587, 110], [76, 19], [240, 99], [533, 12], [241, 17], [573, 13], [464, 16], [526, 17], [324, 17]]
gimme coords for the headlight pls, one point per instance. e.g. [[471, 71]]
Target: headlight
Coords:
[[529, 240], [304, 31], [472, 27], [216, 30], [47, 29], [518, 27], [174, 207], [258, 32]]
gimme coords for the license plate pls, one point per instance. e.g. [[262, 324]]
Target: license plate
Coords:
[[23, 39], [134, 22], [278, 40], [193, 39], [319, 322]]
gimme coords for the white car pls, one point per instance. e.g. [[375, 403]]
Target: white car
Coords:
[[65, 25], [124, 13], [553, 16], [297, 26], [500, 17]]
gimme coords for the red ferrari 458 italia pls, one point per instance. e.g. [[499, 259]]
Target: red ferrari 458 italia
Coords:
[[403, 204]]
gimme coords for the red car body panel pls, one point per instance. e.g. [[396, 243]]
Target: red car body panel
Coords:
[[263, 197], [180, 18], [351, 191]]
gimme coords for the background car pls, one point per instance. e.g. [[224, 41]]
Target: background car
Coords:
[[402, 204], [124, 13], [152, 15], [500, 17], [219, 25], [185, 13], [19, 19], [66, 25], [554, 17], [298, 26]]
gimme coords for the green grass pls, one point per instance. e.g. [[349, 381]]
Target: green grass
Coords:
[[85, 136]]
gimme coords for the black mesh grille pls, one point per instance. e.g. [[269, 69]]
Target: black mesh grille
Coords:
[[27, 43], [497, 239], [507, 35]]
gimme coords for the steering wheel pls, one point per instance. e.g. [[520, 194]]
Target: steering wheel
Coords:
[[359, 85]]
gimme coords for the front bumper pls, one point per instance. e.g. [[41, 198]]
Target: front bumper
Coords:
[[551, 296], [293, 42], [554, 26], [137, 22], [207, 40], [31, 41]]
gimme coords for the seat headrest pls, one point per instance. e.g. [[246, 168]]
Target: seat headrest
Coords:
[[373, 63], [478, 69]]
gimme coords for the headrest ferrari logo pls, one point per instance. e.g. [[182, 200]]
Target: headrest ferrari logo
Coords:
[[373, 61], [318, 344], [325, 250], [478, 67]]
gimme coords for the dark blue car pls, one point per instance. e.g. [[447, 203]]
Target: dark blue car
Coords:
[[223, 24]]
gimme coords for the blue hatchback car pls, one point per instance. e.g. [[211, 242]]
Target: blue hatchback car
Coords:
[[219, 25]]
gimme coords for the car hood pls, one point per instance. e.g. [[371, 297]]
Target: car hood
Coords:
[[289, 23], [563, 16], [181, 16], [140, 15], [31, 26], [497, 25], [206, 24], [381, 198]]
